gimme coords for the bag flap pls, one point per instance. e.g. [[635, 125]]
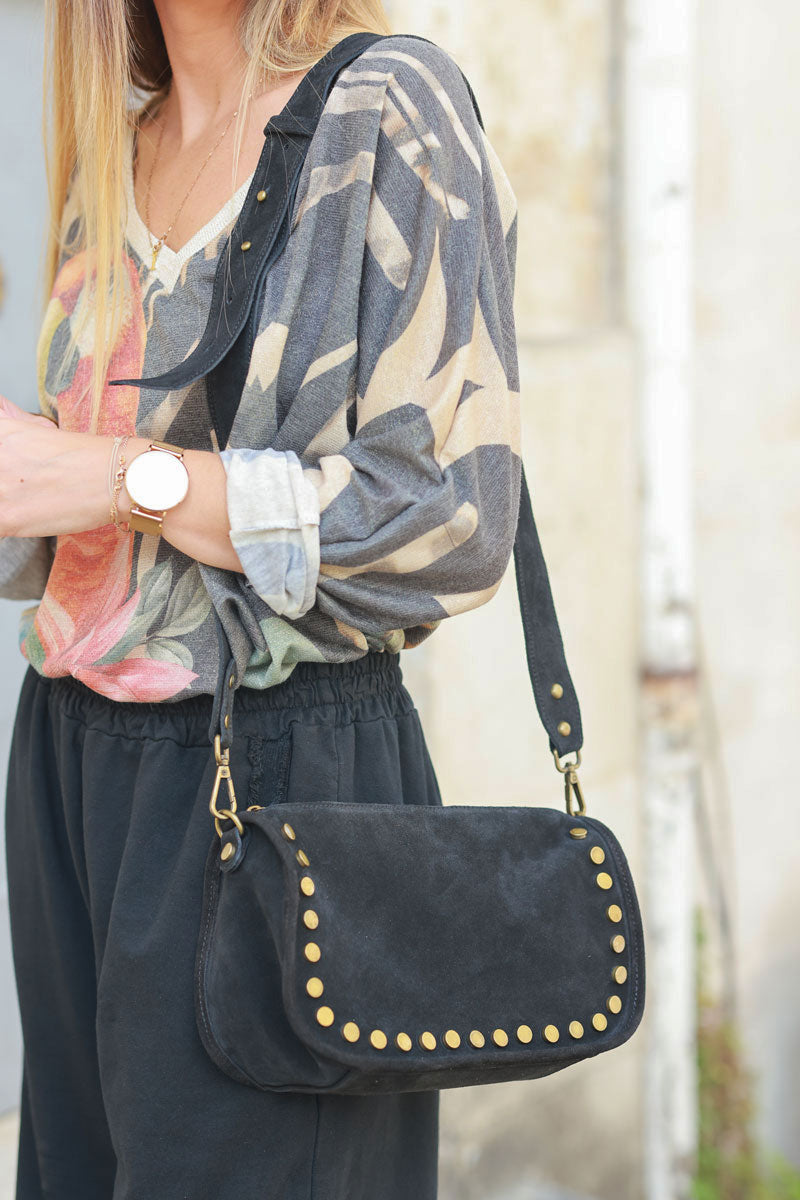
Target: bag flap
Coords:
[[514, 929]]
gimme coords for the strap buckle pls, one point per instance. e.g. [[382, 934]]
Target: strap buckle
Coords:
[[571, 784], [223, 772]]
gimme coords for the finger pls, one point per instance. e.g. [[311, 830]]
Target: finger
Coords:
[[13, 410]]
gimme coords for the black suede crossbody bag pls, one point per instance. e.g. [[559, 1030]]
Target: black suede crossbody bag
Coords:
[[388, 947]]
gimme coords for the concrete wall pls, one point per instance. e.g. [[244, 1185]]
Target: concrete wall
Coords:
[[543, 77], [748, 508]]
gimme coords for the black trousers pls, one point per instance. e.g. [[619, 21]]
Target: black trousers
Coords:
[[107, 828]]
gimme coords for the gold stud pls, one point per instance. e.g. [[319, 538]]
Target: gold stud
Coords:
[[427, 1040], [575, 1029], [302, 858], [288, 832], [351, 1032], [325, 1015], [246, 245], [551, 1033], [231, 681], [227, 720], [619, 974], [310, 919], [227, 851], [578, 832], [314, 987], [312, 951], [378, 1039], [557, 691], [564, 728], [255, 807], [452, 1039], [262, 195], [476, 1038], [614, 1004], [618, 943], [599, 1021], [524, 1033], [499, 1037], [403, 1041], [597, 854], [306, 885], [604, 880], [614, 912]]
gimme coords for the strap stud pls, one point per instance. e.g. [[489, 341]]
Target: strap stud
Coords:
[[557, 691], [564, 728], [262, 195], [551, 1033], [614, 1004], [575, 1029], [246, 245], [599, 1021], [619, 974]]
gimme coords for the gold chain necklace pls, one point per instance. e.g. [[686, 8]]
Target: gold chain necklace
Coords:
[[160, 241]]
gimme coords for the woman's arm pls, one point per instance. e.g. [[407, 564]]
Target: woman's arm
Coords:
[[55, 481], [406, 504]]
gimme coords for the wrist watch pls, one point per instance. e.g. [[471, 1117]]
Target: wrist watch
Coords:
[[156, 480]]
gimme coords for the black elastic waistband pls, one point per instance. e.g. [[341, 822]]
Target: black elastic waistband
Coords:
[[310, 684]]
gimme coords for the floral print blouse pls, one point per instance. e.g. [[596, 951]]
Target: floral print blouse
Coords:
[[373, 468]]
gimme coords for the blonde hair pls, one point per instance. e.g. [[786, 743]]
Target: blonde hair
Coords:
[[99, 54]]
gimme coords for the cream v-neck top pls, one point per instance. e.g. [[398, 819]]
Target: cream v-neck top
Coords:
[[373, 468], [169, 262]]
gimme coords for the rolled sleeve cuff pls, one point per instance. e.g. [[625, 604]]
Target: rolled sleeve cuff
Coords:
[[273, 513]]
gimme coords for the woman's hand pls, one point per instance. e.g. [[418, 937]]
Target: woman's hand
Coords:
[[51, 481]]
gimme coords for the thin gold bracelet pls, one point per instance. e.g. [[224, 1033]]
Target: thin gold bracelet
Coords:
[[118, 478]]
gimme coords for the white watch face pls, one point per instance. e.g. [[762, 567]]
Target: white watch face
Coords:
[[156, 480]]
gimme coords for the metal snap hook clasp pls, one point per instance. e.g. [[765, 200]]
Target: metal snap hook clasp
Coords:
[[223, 772]]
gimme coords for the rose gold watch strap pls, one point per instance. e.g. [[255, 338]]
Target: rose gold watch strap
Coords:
[[168, 446], [145, 520]]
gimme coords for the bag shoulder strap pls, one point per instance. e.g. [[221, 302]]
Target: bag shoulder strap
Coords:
[[224, 351]]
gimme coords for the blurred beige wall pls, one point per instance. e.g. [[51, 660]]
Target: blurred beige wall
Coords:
[[547, 77], [541, 72], [748, 507]]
